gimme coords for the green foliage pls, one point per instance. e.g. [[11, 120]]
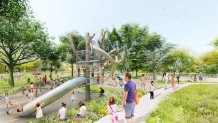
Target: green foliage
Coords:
[[179, 61], [210, 62], [13, 10], [187, 105], [20, 34], [153, 41], [128, 41], [156, 51]]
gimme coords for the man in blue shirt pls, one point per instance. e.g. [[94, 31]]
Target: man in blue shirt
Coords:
[[129, 98]]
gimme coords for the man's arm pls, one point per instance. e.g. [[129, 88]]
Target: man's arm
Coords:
[[125, 97]]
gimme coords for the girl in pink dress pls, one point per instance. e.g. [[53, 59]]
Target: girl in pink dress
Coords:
[[173, 82]]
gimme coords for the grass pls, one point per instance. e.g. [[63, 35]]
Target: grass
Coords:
[[187, 106], [96, 108], [4, 87]]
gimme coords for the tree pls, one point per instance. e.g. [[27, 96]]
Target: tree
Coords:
[[67, 53], [156, 50], [18, 41], [53, 61], [13, 10], [131, 35], [210, 62], [179, 61], [126, 40]]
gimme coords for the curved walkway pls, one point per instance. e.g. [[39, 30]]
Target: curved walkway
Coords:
[[145, 106]]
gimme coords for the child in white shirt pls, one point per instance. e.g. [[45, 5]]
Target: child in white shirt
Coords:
[[7, 99], [62, 112], [151, 90]]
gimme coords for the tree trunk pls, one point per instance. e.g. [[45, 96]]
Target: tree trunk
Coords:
[[136, 72], [11, 76], [87, 71], [72, 70], [154, 72], [101, 74], [51, 70]]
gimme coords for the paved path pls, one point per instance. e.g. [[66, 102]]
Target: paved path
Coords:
[[145, 106]]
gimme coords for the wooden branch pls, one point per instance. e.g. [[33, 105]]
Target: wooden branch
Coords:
[[26, 62], [3, 53], [18, 58], [72, 46], [91, 37], [113, 50], [17, 48], [4, 61], [3, 48]]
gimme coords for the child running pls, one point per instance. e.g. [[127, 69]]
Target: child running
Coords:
[[73, 98], [29, 95], [151, 90], [7, 100], [112, 110]]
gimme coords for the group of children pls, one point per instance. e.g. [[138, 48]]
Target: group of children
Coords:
[[62, 112]]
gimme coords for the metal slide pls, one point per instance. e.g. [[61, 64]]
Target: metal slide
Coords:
[[51, 96], [106, 55], [61, 90]]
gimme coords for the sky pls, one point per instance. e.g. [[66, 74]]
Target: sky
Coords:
[[190, 24]]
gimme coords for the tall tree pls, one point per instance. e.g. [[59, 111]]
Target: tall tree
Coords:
[[17, 41], [126, 39], [156, 50]]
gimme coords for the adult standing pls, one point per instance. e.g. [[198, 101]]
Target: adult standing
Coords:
[[143, 81], [178, 77], [44, 79], [129, 98], [98, 78], [165, 78], [200, 76]]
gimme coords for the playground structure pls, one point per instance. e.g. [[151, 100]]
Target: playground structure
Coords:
[[68, 86]]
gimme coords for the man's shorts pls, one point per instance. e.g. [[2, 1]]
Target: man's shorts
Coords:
[[129, 110]]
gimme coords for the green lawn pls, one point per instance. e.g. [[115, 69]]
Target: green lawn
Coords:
[[192, 104]]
